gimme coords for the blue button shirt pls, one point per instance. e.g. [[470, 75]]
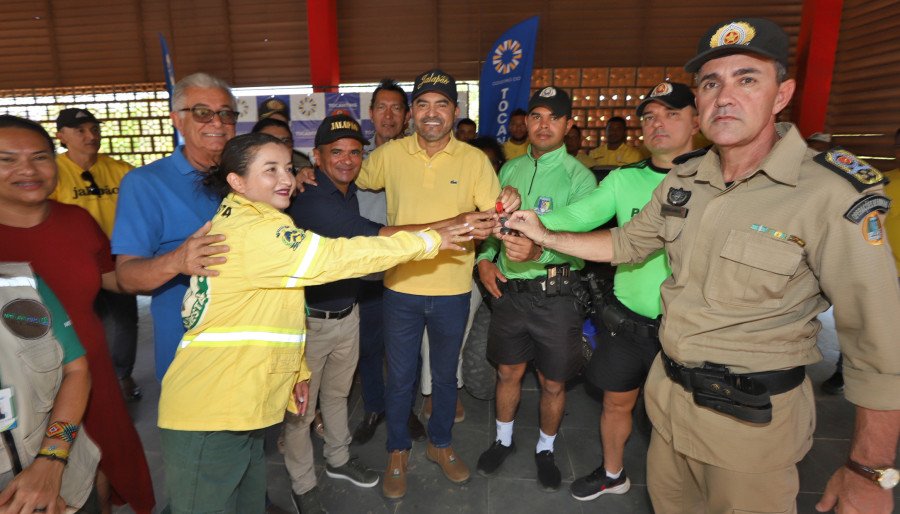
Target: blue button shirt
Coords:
[[160, 205], [328, 212]]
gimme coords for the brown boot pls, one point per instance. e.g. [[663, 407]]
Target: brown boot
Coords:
[[460, 412], [454, 469], [394, 484]]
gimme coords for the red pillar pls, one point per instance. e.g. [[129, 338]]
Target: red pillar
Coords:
[[820, 26], [324, 65]]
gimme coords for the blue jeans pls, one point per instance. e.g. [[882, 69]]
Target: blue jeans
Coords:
[[405, 318], [371, 345]]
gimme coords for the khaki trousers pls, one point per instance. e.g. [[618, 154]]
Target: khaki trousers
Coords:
[[332, 350], [680, 484]]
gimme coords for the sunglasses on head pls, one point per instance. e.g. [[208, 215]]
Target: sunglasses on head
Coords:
[[203, 114]]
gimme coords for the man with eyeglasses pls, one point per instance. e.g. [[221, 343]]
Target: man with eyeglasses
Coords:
[[91, 181], [160, 236]]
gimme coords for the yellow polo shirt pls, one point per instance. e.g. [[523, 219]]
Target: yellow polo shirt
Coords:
[[512, 150], [73, 189], [421, 189], [624, 154], [892, 218]]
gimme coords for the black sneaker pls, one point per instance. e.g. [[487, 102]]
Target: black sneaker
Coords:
[[834, 385], [548, 474], [366, 428], [416, 428], [492, 458], [308, 502], [597, 483], [355, 472]]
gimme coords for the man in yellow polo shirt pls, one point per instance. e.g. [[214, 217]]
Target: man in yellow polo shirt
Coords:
[[429, 176], [518, 136], [91, 180], [615, 151]]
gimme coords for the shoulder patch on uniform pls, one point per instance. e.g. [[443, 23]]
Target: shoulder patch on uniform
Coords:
[[685, 157], [866, 205], [857, 171], [290, 236]]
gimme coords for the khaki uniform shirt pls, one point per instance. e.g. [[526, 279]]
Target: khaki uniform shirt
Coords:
[[753, 264]]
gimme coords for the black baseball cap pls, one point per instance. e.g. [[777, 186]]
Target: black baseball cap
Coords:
[[272, 106], [746, 35], [671, 94], [435, 81], [336, 127], [555, 99], [73, 117]]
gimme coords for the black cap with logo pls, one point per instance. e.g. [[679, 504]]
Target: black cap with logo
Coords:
[[746, 35], [73, 117], [554, 99], [671, 94], [435, 81], [338, 126]]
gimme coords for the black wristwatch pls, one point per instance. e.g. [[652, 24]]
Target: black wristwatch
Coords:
[[886, 478]]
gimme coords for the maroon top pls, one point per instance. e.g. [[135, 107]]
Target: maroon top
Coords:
[[70, 252]]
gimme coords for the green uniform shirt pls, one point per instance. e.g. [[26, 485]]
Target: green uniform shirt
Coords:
[[553, 181], [60, 323], [623, 193]]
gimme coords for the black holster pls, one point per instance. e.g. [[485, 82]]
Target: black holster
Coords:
[[746, 397]]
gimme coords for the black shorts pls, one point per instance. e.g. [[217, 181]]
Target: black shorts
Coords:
[[622, 361], [526, 326]]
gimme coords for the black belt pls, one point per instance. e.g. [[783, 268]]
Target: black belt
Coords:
[[564, 285], [320, 314], [618, 318], [744, 396]]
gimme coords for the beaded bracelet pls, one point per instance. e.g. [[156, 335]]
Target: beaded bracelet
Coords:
[[62, 430]]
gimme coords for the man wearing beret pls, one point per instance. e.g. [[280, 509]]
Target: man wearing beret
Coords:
[[762, 234]]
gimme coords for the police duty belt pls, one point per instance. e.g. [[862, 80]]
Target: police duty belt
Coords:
[[746, 397]]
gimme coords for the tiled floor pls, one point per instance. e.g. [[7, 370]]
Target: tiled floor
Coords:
[[515, 489]]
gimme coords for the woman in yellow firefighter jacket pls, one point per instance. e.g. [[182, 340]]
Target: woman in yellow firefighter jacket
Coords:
[[241, 363]]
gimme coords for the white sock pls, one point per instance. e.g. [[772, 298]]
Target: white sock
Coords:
[[545, 442], [615, 475], [504, 432]]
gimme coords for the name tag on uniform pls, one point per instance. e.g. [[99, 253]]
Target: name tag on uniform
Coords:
[[672, 210], [7, 410]]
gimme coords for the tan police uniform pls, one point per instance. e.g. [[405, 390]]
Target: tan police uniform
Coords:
[[753, 264]]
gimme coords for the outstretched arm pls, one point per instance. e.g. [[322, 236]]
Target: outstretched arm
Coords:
[[593, 246]]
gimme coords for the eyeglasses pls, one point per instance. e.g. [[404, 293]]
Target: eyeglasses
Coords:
[[93, 188], [203, 114]]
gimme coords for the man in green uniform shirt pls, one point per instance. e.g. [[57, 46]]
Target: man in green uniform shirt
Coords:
[[762, 235], [533, 316], [628, 342]]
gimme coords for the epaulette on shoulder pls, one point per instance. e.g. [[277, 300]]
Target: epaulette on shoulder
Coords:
[[858, 172], [685, 157]]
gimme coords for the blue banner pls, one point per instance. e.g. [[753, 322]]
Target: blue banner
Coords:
[[169, 74], [506, 79]]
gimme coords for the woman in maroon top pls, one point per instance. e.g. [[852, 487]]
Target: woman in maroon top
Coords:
[[67, 248]]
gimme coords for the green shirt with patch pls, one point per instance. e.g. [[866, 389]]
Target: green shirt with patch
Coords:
[[60, 323], [623, 193], [549, 183]]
